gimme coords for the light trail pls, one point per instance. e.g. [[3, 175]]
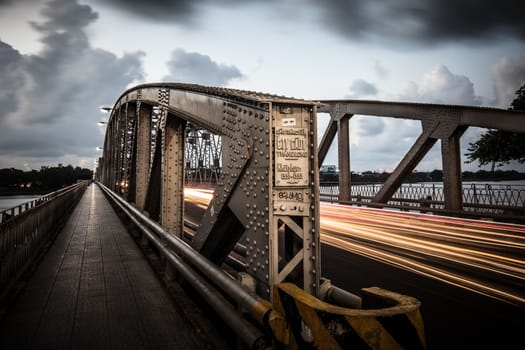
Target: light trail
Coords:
[[484, 257], [199, 196]]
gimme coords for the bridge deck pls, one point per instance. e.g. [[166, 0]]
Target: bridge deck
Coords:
[[94, 289]]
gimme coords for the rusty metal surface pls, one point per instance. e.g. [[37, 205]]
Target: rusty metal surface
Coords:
[[268, 182], [386, 320]]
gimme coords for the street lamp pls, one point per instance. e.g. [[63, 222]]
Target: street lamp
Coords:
[[102, 122], [100, 148], [105, 109]]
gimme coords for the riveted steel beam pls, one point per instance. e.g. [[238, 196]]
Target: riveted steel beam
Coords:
[[447, 122], [142, 153], [343, 132], [483, 117], [172, 201], [267, 193]]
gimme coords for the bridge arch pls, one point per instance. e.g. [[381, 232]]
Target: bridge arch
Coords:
[[267, 193]]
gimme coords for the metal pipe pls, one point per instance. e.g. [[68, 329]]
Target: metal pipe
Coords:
[[248, 333], [341, 297], [244, 298]]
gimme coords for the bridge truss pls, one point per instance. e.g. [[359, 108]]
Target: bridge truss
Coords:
[[268, 183], [444, 123], [262, 152]]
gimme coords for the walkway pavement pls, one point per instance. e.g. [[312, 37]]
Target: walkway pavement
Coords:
[[94, 289]]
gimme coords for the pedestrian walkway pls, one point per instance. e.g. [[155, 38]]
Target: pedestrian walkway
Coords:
[[94, 289]]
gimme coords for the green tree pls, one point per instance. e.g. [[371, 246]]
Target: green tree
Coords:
[[500, 147]]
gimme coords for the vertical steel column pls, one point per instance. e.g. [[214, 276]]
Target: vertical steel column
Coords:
[[172, 197], [117, 137], [294, 234], [113, 150], [129, 151], [143, 153], [344, 158], [451, 156]]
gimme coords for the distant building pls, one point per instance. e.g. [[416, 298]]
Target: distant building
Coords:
[[328, 173], [329, 169]]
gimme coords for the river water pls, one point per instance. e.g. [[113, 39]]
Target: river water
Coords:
[[7, 202]]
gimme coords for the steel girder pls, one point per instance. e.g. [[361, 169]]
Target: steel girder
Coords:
[[439, 122], [267, 196]]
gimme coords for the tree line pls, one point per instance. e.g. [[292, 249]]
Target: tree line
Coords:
[[496, 147], [47, 179]]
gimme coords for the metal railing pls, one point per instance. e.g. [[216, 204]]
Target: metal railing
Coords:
[[207, 278], [487, 200], [26, 228]]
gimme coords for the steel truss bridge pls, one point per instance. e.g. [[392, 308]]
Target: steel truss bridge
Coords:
[[261, 151], [440, 123]]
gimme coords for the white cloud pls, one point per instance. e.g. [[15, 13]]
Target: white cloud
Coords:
[[193, 67], [440, 85], [52, 98], [380, 143], [509, 76]]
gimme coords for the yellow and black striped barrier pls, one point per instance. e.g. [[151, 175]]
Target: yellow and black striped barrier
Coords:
[[387, 320]]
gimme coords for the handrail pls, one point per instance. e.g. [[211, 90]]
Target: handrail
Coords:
[[177, 252], [24, 233], [9, 213], [283, 324]]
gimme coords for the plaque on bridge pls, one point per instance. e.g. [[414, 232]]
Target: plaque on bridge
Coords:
[[291, 156]]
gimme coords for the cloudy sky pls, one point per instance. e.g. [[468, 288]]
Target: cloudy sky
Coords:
[[60, 60]]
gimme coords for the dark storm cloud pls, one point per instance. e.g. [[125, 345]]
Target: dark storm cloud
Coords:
[[361, 88], [65, 15], [199, 69], [53, 97], [425, 22], [181, 10], [11, 78], [404, 21]]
